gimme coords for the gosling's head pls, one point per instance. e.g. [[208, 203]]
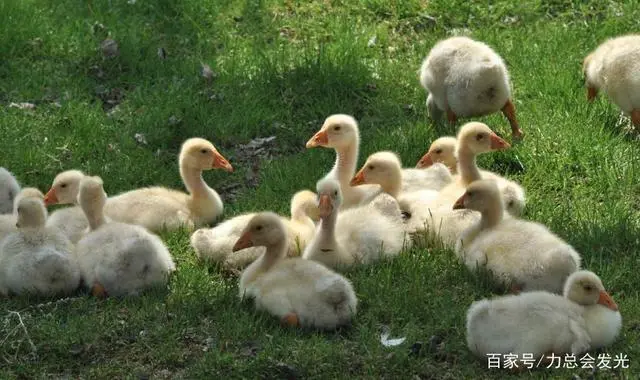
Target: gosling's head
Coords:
[[585, 288], [31, 212], [92, 195], [263, 230], [329, 196], [338, 131], [479, 138], [304, 203], [65, 188], [379, 168], [442, 150], [200, 154], [481, 196]]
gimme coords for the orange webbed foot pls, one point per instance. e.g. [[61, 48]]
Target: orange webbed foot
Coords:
[[451, 117], [635, 117], [509, 111], [290, 319], [98, 291]]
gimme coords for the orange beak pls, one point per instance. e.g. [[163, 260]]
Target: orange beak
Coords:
[[498, 143], [425, 161], [319, 139], [220, 162], [358, 179], [50, 198], [606, 300], [243, 242], [591, 93], [459, 203], [324, 206]]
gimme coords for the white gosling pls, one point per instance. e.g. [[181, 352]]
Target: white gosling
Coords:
[[116, 258], [542, 323], [466, 78], [8, 221], [216, 243], [341, 133], [360, 235], [299, 292], [523, 254], [614, 68], [9, 188], [36, 260], [156, 208]]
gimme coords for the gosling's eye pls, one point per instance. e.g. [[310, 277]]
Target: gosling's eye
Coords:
[[438, 151], [63, 185], [335, 193], [588, 288], [204, 151], [337, 128], [470, 193], [479, 136], [259, 228], [371, 167]]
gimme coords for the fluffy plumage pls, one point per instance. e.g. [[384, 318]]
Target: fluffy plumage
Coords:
[[298, 291], [467, 78], [517, 252], [9, 188], [540, 323], [35, 259], [118, 258]]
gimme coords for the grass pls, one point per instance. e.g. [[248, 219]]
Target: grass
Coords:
[[281, 68]]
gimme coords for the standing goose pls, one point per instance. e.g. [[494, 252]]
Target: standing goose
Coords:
[[542, 323], [117, 258], [523, 254], [299, 292], [614, 67], [158, 208], [466, 78], [35, 259]]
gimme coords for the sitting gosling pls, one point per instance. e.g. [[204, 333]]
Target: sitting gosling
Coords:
[[299, 292], [526, 255], [542, 323]]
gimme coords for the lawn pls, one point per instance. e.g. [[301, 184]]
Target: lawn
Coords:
[[278, 69]]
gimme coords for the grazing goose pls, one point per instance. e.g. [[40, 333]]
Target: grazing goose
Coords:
[[466, 78], [523, 254], [299, 292], [542, 323], [614, 67]]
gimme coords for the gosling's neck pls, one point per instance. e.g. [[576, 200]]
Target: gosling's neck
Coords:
[[467, 166]]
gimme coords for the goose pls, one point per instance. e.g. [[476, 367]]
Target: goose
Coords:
[[525, 254], [71, 221], [299, 292], [444, 150], [466, 78], [36, 260], [9, 187], [542, 323], [160, 208], [216, 243], [8, 221], [614, 67], [359, 235], [118, 259], [341, 133]]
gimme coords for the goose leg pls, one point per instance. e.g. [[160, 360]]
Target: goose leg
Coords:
[[451, 117], [509, 111], [98, 290], [592, 92], [516, 289], [635, 117], [291, 319]]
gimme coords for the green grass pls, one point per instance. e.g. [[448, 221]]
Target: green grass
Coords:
[[281, 68]]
